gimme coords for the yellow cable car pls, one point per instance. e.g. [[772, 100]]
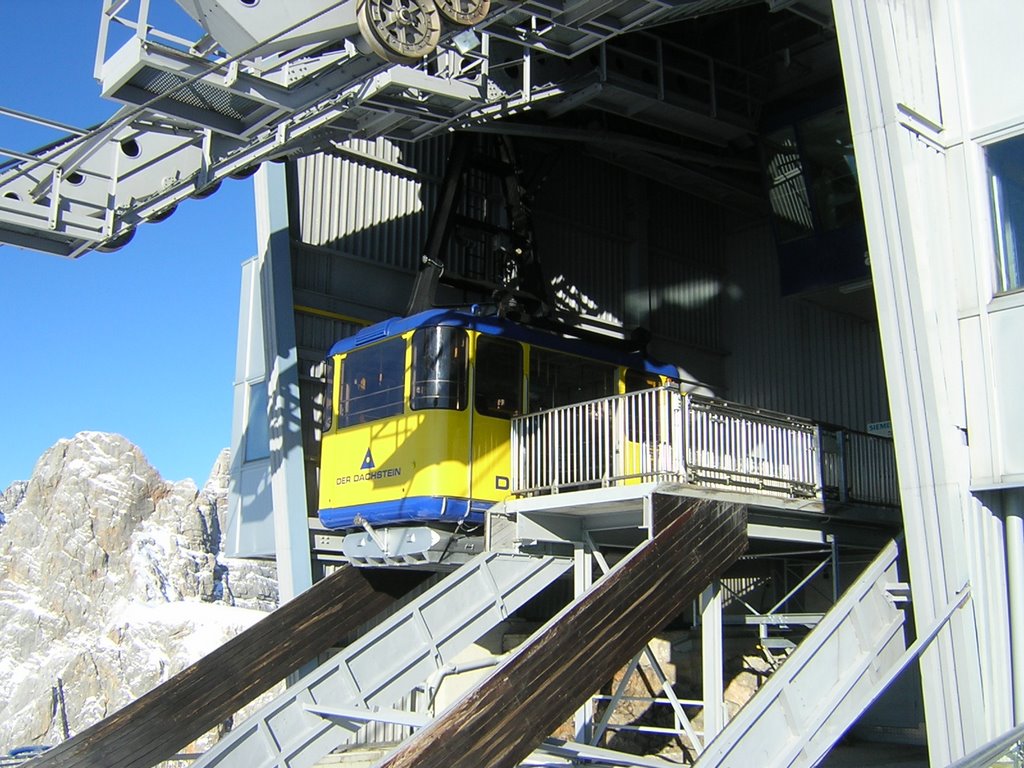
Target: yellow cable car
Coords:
[[417, 417]]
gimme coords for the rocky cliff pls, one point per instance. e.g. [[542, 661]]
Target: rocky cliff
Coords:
[[11, 498], [111, 580]]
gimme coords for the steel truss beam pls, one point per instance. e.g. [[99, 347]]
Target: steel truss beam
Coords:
[[197, 115]]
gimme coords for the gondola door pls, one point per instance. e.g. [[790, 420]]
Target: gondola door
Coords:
[[438, 422], [497, 397]]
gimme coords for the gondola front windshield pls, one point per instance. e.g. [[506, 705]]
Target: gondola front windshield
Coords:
[[372, 383]]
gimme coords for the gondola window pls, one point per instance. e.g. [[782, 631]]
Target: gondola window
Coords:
[[373, 383], [499, 377], [557, 379], [439, 368]]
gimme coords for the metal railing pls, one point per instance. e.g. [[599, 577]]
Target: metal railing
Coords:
[[858, 468], [664, 68], [734, 446], [1006, 750], [632, 437], [662, 435]]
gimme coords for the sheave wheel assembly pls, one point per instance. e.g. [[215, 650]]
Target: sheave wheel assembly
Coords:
[[464, 13], [401, 31]]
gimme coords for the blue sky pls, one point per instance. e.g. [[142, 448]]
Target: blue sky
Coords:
[[141, 341]]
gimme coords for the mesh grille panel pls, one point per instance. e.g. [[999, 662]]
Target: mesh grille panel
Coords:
[[197, 94]]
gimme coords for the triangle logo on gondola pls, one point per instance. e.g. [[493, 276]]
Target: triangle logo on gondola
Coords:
[[368, 462]]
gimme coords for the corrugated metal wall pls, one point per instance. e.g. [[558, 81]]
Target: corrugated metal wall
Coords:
[[624, 248], [791, 355], [618, 246], [581, 223], [371, 200], [687, 253]]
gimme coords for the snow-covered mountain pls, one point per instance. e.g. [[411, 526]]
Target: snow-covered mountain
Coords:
[[111, 580]]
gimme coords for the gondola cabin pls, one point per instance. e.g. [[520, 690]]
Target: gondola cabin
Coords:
[[416, 438]]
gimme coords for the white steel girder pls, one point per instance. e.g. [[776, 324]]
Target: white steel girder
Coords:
[[199, 111], [905, 68]]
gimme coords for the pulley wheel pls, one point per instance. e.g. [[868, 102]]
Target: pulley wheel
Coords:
[[465, 13], [402, 31], [114, 243]]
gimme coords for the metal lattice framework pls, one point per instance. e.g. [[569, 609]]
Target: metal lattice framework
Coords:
[[199, 110]]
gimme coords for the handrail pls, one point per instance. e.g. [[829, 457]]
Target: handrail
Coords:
[[988, 754], [665, 435], [721, 78], [662, 435], [608, 441], [858, 467], [729, 445]]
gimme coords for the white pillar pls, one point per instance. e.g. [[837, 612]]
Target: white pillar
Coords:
[[1013, 506], [713, 661], [287, 470], [583, 577]]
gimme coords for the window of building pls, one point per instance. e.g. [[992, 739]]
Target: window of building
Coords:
[[827, 144], [1005, 161], [815, 202], [812, 176], [439, 369], [372, 383], [499, 377], [787, 190]]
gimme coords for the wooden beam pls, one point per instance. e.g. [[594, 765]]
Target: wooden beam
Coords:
[[177, 712], [500, 722]]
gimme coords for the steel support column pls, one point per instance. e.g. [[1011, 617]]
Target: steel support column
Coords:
[[903, 169], [712, 660], [287, 474], [1013, 507], [583, 579]]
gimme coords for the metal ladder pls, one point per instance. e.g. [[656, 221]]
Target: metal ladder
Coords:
[[298, 728]]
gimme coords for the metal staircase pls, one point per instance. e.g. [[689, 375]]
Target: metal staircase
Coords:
[[511, 712], [830, 679], [376, 671], [854, 652]]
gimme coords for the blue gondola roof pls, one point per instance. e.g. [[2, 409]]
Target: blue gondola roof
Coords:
[[492, 325]]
